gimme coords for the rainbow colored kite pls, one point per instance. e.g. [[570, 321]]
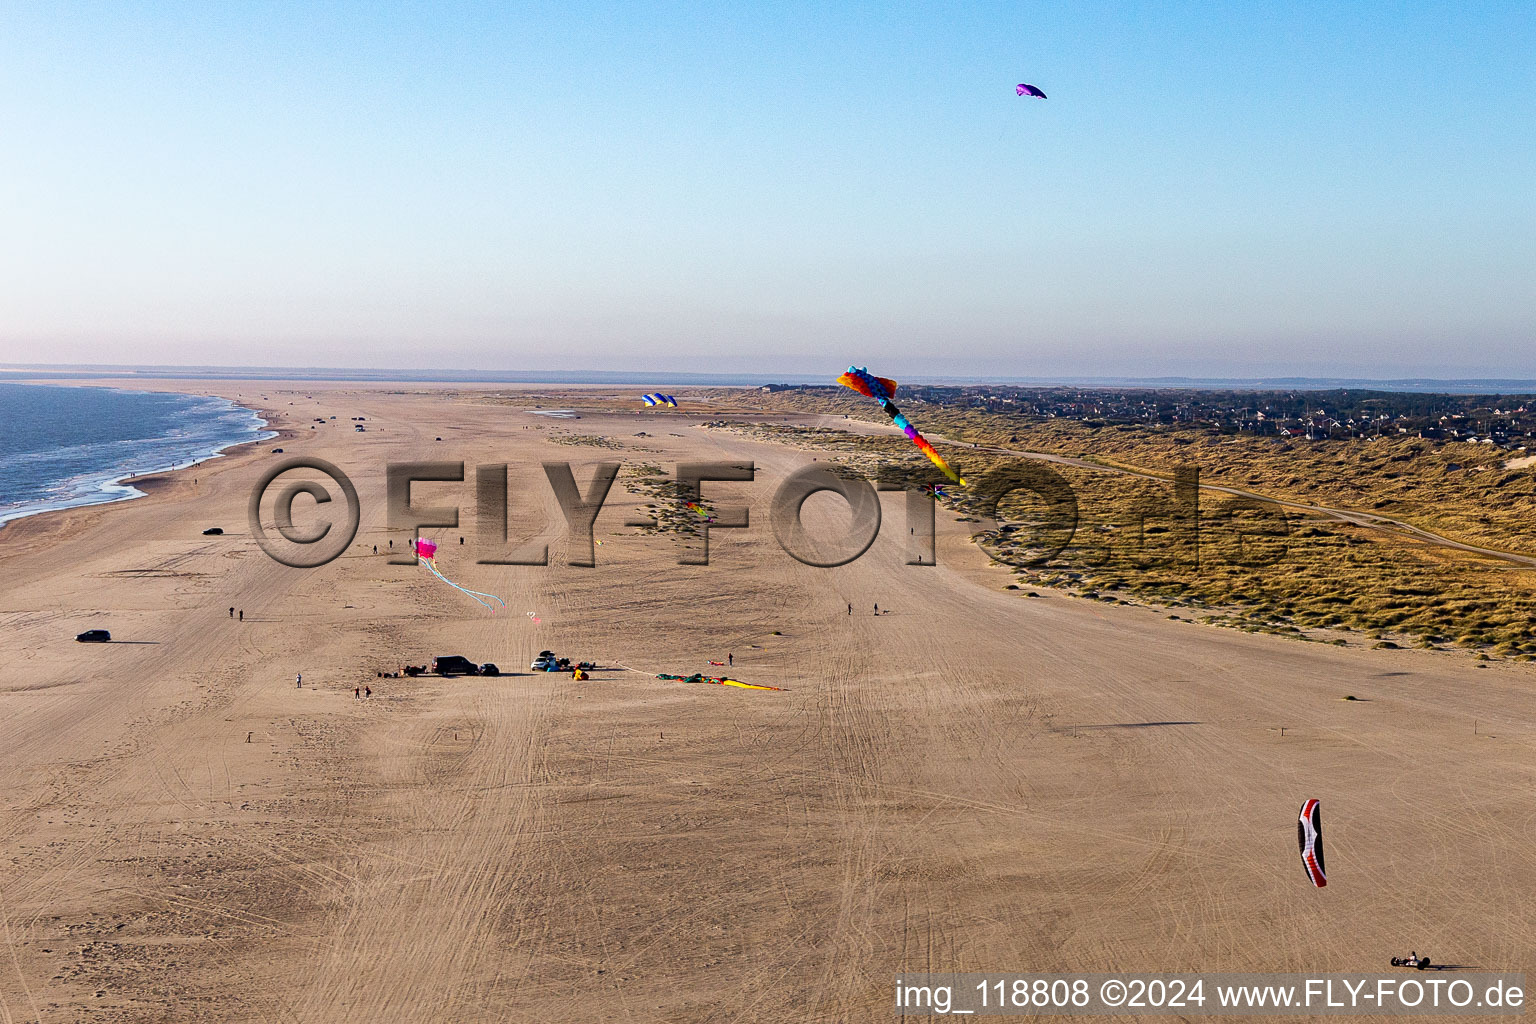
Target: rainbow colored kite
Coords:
[[882, 390], [426, 553]]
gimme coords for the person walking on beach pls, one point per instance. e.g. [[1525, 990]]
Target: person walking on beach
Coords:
[[730, 659], [367, 692], [300, 681], [877, 607], [850, 607], [231, 613], [242, 614], [357, 693]]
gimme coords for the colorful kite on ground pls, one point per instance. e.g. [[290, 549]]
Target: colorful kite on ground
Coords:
[[1024, 89], [426, 553], [657, 398], [1309, 837], [745, 686], [698, 677], [883, 390]]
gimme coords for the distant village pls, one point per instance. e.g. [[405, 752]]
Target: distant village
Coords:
[[1504, 421]]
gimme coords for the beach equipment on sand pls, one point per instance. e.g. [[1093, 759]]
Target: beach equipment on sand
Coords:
[[699, 677]]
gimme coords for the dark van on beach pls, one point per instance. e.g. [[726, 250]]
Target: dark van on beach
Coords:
[[94, 636], [454, 665]]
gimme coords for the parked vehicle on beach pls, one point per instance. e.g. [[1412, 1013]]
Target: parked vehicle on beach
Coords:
[[454, 665], [94, 636], [490, 669]]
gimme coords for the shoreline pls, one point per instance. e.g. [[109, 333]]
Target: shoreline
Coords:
[[120, 488]]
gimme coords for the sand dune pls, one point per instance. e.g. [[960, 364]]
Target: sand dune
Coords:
[[975, 780]]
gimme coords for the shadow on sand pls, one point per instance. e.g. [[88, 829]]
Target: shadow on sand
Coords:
[[1134, 725]]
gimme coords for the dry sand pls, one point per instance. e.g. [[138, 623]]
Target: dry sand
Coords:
[[975, 781]]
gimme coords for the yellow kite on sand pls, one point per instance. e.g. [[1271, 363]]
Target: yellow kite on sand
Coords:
[[699, 677]]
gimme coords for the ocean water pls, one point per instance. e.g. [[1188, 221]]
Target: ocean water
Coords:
[[66, 446]]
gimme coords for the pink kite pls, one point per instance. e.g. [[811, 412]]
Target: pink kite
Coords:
[[426, 552]]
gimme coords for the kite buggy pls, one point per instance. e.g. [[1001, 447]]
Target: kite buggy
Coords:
[[1411, 960]]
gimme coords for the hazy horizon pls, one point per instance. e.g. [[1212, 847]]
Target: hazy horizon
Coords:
[[651, 378], [1224, 193]]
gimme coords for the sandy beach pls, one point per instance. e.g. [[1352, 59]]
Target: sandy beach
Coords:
[[973, 780]]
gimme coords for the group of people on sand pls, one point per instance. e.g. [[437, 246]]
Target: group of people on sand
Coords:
[[392, 545], [877, 608], [358, 692]]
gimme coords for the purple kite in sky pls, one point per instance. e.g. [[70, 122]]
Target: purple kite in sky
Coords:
[[1028, 90]]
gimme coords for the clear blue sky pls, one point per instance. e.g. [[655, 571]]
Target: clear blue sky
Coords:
[[1211, 189]]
